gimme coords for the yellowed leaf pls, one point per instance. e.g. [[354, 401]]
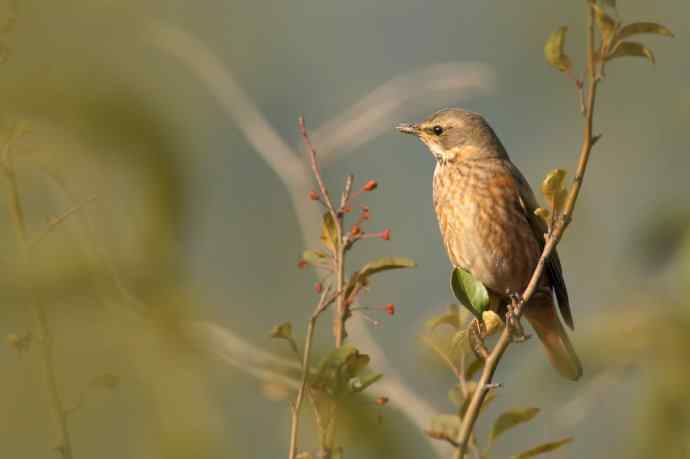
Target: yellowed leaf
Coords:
[[554, 50]]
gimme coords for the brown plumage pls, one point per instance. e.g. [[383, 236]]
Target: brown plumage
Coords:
[[485, 211]]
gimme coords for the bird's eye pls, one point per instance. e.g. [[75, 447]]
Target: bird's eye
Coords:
[[438, 130]]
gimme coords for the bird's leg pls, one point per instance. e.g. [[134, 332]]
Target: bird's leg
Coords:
[[513, 320], [477, 333]]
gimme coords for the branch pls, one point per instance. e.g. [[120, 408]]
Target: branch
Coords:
[[294, 429], [54, 222], [552, 239], [339, 249]]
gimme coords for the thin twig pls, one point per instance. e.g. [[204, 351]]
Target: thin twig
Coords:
[[553, 237], [339, 249], [315, 168], [303, 388], [56, 221]]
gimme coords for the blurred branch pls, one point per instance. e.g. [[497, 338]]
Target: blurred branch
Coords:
[[56, 221], [382, 108], [366, 119], [233, 350], [45, 339]]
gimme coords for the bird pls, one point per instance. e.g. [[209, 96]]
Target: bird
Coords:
[[485, 210]]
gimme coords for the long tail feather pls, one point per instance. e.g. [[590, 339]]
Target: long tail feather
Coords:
[[545, 321]]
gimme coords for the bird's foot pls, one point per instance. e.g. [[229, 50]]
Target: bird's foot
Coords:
[[513, 319], [477, 333]]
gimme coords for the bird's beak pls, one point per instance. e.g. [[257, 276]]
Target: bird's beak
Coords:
[[408, 129]]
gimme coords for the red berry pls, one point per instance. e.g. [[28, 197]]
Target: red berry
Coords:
[[301, 264], [356, 230], [381, 401], [386, 235], [318, 288], [314, 196], [370, 185], [390, 309]]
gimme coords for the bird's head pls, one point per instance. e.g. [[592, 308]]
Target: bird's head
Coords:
[[455, 135]]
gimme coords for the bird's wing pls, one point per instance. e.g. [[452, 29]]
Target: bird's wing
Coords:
[[553, 263]]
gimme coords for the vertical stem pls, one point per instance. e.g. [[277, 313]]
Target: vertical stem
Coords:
[[64, 445], [340, 308], [294, 433]]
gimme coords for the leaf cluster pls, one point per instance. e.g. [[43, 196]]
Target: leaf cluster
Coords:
[[614, 35]]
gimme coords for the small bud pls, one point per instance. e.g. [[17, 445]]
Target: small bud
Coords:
[[386, 235], [382, 401], [314, 196], [370, 186], [318, 288], [356, 230], [390, 309], [302, 263], [364, 215], [347, 209], [492, 321]]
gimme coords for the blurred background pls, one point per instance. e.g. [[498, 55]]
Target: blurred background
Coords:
[[156, 157]]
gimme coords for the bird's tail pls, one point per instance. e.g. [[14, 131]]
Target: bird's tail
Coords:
[[542, 315]]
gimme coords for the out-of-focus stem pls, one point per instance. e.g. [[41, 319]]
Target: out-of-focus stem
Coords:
[[64, 444]]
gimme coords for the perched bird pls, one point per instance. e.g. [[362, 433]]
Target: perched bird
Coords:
[[485, 210]]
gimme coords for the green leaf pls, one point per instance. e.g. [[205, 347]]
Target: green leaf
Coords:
[[282, 331], [357, 362], [329, 232], [553, 182], [553, 189], [553, 50], [365, 379], [385, 264], [510, 419], [631, 49], [643, 27], [345, 370], [361, 277], [545, 448], [607, 26], [445, 426], [313, 257], [469, 291]]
